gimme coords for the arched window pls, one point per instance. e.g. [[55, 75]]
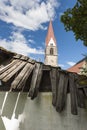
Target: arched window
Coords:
[[51, 51]]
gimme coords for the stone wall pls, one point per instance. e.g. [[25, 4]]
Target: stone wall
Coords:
[[19, 112]]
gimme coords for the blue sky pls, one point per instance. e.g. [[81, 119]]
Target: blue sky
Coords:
[[23, 29]]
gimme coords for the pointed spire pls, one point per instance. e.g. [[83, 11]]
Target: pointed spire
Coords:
[[50, 34]]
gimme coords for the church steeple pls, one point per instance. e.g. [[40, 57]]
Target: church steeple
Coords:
[[51, 47], [50, 34]]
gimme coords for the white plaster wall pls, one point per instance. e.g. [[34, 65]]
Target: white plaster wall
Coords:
[[39, 114]]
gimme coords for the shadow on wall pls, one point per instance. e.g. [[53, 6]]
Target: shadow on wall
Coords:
[[11, 107]]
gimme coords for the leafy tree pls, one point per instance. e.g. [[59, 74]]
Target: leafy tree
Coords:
[[75, 19]]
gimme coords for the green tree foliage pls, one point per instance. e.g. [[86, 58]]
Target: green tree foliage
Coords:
[[75, 19]]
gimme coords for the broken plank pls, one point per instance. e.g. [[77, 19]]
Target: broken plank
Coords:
[[14, 72], [39, 77], [25, 58], [81, 98], [18, 56], [21, 85], [73, 94], [3, 75], [20, 76], [31, 61], [53, 77], [34, 80], [62, 92], [3, 69]]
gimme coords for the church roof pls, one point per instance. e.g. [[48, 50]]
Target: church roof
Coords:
[[50, 33]]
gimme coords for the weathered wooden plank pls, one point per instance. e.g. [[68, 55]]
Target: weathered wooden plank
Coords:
[[22, 76], [3, 69], [39, 77], [1, 66], [81, 98], [18, 56], [25, 58], [3, 75], [73, 94], [85, 91], [66, 81], [36, 75], [82, 86], [46, 67], [25, 77], [31, 61], [53, 77], [13, 72], [62, 92]]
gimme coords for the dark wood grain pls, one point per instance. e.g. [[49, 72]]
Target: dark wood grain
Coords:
[[53, 77], [62, 92], [73, 94]]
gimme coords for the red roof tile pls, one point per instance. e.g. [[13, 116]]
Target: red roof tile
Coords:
[[76, 68]]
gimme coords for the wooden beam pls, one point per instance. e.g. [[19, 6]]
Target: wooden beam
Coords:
[[53, 77], [26, 76], [35, 82], [81, 98], [62, 91], [73, 94]]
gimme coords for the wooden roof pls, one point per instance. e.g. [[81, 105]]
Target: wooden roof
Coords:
[[22, 73]]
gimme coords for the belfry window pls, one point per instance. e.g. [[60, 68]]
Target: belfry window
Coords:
[[51, 51]]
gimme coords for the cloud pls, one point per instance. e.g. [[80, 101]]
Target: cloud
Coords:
[[71, 63], [19, 44], [31, 41], [61, 65], [28, 14]]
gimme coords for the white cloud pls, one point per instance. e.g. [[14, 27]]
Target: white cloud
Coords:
[[31, 41], [61, 65], [28, 14], [19, 44], [71, 63]]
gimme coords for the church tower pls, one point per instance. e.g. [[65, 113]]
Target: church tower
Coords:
[[51, 56]]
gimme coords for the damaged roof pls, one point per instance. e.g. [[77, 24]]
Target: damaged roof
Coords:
[[21, 73]]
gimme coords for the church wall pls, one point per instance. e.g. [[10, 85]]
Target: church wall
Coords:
[[51, 60], [38, 114]]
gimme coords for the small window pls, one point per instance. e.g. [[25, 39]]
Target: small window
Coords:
[[51, 44], [51, 51]]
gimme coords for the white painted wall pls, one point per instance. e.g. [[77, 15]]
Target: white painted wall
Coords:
[[38, 114]]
